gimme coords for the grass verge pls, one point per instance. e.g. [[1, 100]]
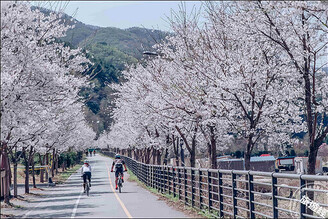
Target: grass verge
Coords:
[[63, 176], [170, 199]]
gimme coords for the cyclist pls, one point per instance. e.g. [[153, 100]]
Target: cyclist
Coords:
[[86, 173], [118, 163]]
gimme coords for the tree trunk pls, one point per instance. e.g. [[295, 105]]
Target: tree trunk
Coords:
[[176, 149], [47, 163], [33, 175], [42, 168], [312, 160], [136, 154], [10, 176], [247, 160], [143, 155], [158, 156], [193, 152], [249, 149], [53, 163], [213, 149], [15, 179], [6, 167], [166, 156], [153, 155], [27, 164], [57, 158], [147, 150], [7, 189]]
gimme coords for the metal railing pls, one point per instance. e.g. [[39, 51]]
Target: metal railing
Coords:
[[236, 193]]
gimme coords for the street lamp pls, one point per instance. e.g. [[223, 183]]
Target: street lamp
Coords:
[[150, 53]]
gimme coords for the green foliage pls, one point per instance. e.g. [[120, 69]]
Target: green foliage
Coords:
[[110, 50], [70, 158], [238, 154], [108, 61], [132, 41]]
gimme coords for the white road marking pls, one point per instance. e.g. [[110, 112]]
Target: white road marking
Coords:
[[76, 204]]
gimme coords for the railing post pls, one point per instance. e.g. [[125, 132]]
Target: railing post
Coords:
[[157, 179], [143, 173], [173, 182], [192, 187], [146, 174], [165, 178], [234, 194], [152, 176], [302, 193], [149, 175], [251, 195], [162, 179], [200, 188], [185, 184], [140, 171], [137, 167], [179, 180], [220, 194], [274, 194], [209, 190], [168, 180]]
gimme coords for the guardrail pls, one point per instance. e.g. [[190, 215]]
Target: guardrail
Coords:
[[237, 193]]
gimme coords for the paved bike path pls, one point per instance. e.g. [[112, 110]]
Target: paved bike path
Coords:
[[68, 200]]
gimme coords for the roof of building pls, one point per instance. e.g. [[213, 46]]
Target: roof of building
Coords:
[[265, 158], [228, 159], [265, 155], [289, 157]]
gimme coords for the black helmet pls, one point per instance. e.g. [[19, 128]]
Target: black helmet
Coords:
[[117, 156]]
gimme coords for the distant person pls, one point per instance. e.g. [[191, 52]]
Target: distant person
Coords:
[[118, 163], [86, 173], [86, 153], [94, 152]]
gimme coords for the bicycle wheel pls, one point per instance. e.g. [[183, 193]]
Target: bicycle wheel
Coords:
[[88, 188], [120, 183]]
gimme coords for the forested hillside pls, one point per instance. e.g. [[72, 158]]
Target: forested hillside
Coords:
[[111, 50]]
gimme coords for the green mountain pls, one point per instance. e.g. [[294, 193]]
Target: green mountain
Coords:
[[111, 50], [132, 41]]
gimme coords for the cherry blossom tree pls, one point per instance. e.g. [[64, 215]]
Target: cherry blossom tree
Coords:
[[299, 31], [39, 88]]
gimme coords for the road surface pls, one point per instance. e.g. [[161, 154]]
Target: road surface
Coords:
[[68, 200]]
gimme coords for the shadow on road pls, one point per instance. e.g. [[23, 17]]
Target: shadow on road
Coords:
[[57, 215], [53, 200], [74, 194], [63, 207]]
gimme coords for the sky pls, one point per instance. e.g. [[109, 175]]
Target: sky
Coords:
[[121, 14]]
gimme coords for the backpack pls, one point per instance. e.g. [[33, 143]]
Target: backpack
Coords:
[[118, 163]]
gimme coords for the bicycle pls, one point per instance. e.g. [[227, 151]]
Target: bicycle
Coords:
[[87, 186], [119, 182]]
